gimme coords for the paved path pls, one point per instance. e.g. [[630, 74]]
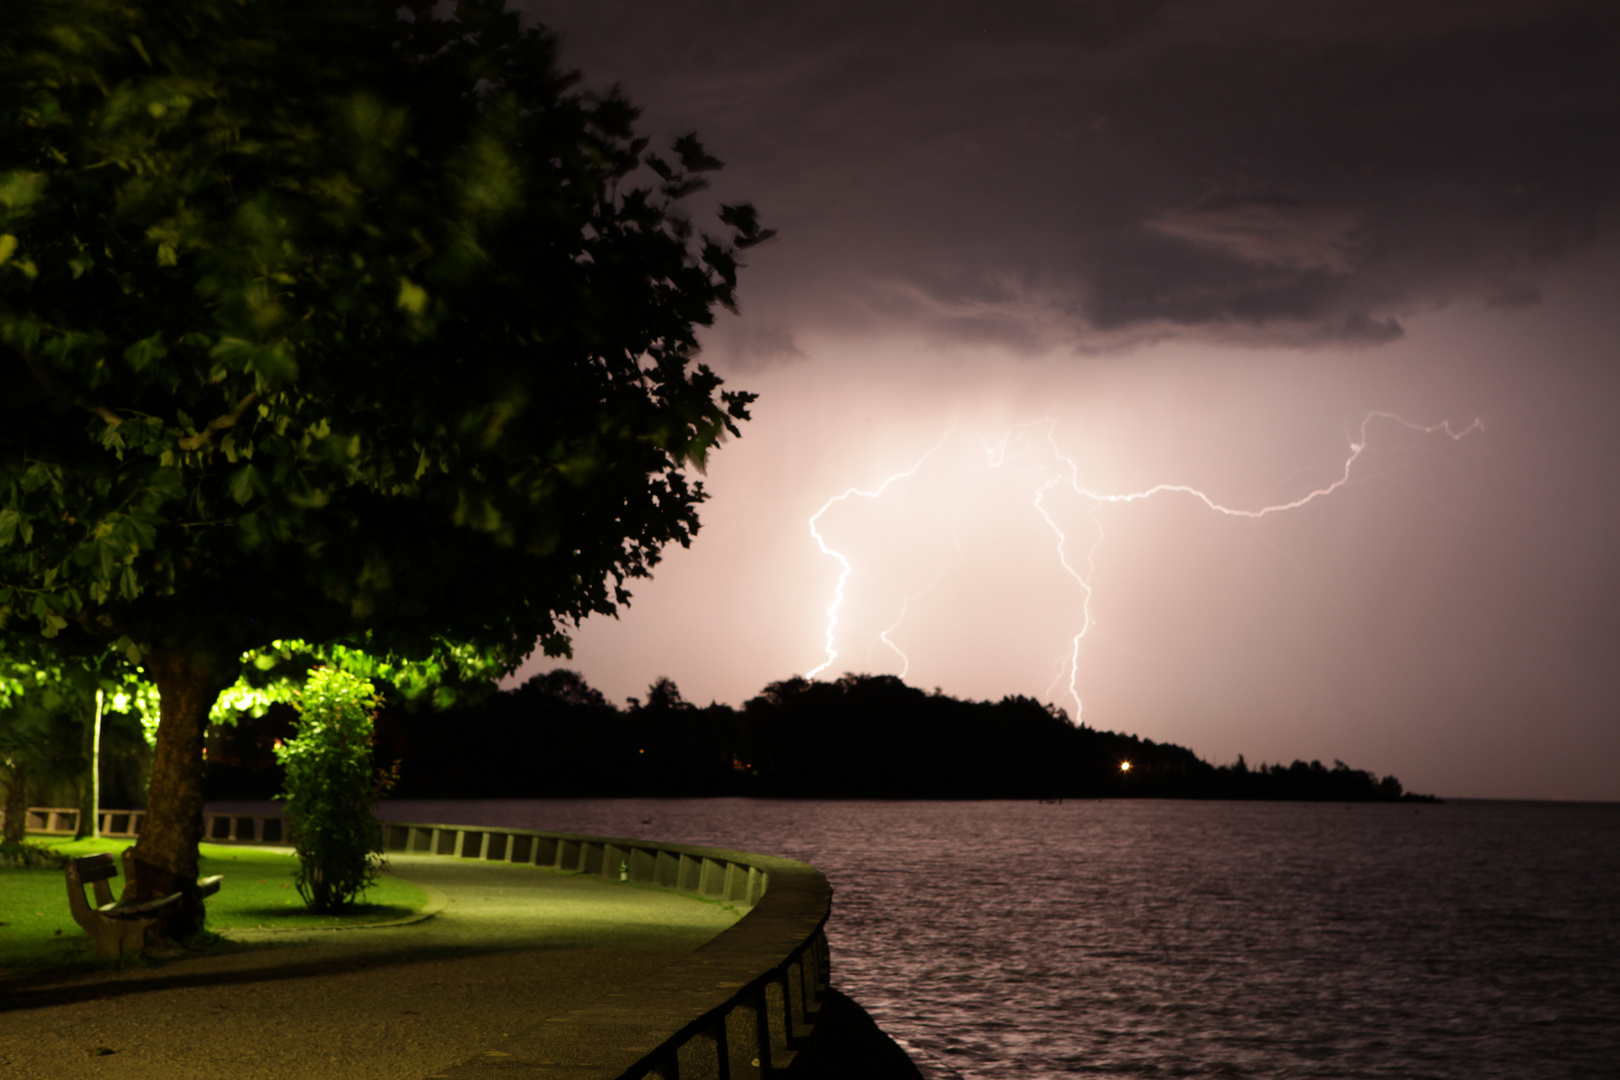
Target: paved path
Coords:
[[512, 946]]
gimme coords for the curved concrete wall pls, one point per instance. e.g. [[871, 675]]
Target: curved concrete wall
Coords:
[[740, 1006]]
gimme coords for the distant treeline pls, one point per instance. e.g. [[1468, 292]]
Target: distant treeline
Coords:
[[862, 736]]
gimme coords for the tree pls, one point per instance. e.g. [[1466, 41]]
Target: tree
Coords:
[[664, 696], [51, 712], [325, 320], [566, 686], [40, 737]]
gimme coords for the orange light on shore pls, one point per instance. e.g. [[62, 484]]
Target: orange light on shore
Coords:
[[1124, 766]]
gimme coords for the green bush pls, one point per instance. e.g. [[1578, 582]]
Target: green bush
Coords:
[[30, 855], [332, 789]]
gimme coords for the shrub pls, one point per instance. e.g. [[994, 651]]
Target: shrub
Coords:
[[31, 855], [331, 790]]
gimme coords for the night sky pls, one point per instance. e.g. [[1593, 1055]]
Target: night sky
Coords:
[[1092, 248]]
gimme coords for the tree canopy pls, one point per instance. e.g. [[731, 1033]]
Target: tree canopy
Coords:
[[335, 320]]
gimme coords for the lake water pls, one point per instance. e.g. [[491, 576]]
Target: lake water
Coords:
[[1167, 939]]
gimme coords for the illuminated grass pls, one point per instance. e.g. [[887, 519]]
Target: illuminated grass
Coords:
[[258, 892], [37, 930]]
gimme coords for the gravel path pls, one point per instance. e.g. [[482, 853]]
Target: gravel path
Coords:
[[512, 946]]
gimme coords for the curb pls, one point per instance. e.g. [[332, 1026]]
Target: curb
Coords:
[[436, 902]]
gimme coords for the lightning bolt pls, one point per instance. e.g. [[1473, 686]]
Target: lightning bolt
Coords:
[[845, 568], [1015, 443]]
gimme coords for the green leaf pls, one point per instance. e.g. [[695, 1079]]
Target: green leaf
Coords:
[[412, 297], [139, 529], [113, 439], [166, 482], [8, 244], [275, 364], [19, 189], [107, 555], [251, 531], [307, 495], [145, 351], [245, 485], [9, 520], [37, 476]]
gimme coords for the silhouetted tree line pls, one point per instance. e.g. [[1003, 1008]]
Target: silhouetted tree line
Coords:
[[862, 736]]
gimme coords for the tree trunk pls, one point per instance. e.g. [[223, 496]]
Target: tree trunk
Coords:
[[17, 805], [165, 856], [90, 790]]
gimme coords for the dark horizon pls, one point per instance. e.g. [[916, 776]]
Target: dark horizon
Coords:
[[856, 737]]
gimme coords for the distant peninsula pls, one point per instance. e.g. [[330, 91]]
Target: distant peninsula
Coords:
[[861, 736]]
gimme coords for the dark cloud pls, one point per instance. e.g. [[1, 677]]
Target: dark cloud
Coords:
[[1512, 294], [1093, 175], [1267, 230]]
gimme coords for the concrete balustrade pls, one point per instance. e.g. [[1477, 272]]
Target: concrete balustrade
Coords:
[[217, 828], [64, 821], [739, 1007], [669, 866]]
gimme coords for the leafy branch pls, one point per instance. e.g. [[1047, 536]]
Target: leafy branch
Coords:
[[218, 423]]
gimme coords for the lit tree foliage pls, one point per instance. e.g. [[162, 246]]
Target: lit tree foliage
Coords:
[[51, 709], [333, 320]]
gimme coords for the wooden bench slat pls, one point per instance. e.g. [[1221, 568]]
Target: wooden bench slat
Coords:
[[94, 868]]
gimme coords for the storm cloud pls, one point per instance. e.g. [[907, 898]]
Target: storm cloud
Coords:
[[1091, 176]]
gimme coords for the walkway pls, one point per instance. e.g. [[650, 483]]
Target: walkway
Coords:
[[511, 946]]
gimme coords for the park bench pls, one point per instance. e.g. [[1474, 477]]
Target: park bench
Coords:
[[117, 928]]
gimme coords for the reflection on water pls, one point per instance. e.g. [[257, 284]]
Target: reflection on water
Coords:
[[1135, 938]]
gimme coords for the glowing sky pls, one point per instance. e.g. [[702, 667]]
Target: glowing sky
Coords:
[[1201, 243]]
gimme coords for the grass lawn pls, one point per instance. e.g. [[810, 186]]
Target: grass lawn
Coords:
[[37, 930]]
